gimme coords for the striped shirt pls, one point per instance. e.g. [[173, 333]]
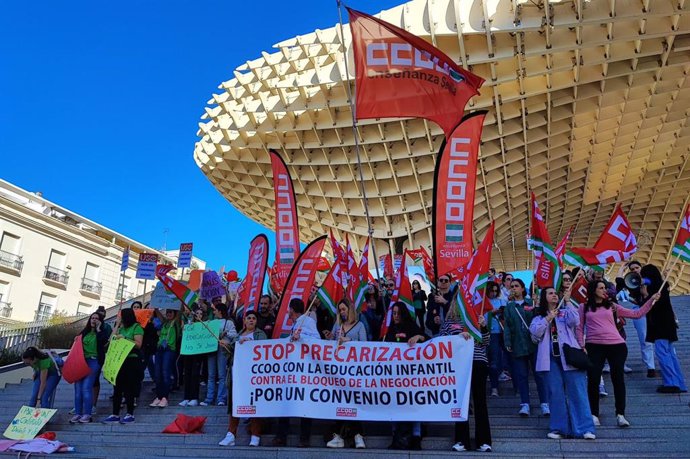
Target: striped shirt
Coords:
[[455, 327]]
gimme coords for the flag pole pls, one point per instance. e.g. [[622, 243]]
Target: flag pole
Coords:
[[580, 272], [357, 148], [670, 270]]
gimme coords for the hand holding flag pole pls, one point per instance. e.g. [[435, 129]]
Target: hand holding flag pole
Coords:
[[567, 293]]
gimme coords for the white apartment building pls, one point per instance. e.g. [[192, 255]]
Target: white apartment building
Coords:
[[52, 259]]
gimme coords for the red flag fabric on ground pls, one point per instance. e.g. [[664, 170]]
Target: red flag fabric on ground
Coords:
[[75, 367], [454, 188], [299, 284], [184, 424], [401, 75], [287, 225]]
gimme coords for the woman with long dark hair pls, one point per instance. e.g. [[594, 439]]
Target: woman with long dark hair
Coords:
[[551, 328], [46, 377], [662, 331], [419, 300], [217, 361], [604, 342], [128, 379], [165, 358], [94, 338]]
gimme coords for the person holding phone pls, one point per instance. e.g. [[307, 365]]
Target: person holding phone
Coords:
[[94, 338]]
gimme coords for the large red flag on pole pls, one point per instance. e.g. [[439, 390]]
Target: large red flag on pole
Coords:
[[401, 75], [454, 188], [256, 271], [287, 225], [298, 284], [548, 272]]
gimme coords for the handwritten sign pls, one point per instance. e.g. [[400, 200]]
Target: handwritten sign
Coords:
[[146, 268], [28, 423], [184, 259], [211, 286], [161, 298], [118, 350], [196, 338]]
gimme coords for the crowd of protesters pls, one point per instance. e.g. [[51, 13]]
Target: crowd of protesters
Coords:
[[566, 347]]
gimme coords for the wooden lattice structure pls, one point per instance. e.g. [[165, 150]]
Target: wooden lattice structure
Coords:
[[588, 105]]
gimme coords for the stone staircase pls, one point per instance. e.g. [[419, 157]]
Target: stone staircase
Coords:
[[660, 424]]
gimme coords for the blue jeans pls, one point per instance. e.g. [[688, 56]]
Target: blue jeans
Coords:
[[49, 392], [217, 365], [83, 389], [521, 368], [671, 374], [570, 412], [165, 363], [647, 349], [495, 358]]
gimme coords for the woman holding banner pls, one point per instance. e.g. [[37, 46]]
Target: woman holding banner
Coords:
[[480, 369], [94, 338], [553, 329], [347, 328], [129, 377], [248, 333], [516, 334], [403, 329]]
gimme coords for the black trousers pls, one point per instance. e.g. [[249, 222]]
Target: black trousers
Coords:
[[480, 370], [616, 355], [355, 427], [191, 367], [127, 384], [304, 428]]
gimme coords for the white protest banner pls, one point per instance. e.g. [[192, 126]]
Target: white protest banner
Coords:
[[28, 423], [184, 258], [211, 286], [161, 298], [369, 381], [146, 268]]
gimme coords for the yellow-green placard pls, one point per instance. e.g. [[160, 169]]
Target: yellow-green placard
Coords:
[[28, 423], [196, 338], [118, 350]]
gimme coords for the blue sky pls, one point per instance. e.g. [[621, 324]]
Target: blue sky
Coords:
[[100, 103]]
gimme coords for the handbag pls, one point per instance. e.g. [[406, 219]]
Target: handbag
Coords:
[[576, 357]]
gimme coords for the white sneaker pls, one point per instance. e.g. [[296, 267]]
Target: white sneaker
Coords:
[[484, 448], [545, 411], [602, 391], [336, 442], [589, 436], [193, 403], [359, 442], [229, 440], [595, 420], [459, 447], [555, 435], [622, 422], [627, 369], [524, 409], [494, 392], [204, 403], [184, 403], [254, 441]]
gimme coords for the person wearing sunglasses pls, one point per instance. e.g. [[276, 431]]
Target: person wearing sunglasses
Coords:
[[438, 304], [518, 341], [493, 320], [551, 328]]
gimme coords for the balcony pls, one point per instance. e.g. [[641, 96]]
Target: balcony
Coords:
[[56, 277], [11, 263], [91, 288], [44, 311], [5, 309], [126, 294]]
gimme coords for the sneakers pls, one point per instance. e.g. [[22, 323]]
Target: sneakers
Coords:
[[602, 391], [589, 436], [221, 403], [75, 419], [229, 440], [627, 369], [336, 442], [494, 392], [163, 403], [668, 390], [555, 435], [72, 411], [545, 411], [459, 447], [651, 373], [504, 377], [85, 419], [155, 404], [184, 403], [127, 419], [595, 420], [193, 403], [484, 448], [524, 409], [205, 403], [359, 442], [621, 421], [254, 441], [111, 418]]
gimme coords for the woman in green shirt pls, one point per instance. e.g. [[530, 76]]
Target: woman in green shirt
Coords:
[[129, 377], [165, 358], [94, 337], [46, 377]]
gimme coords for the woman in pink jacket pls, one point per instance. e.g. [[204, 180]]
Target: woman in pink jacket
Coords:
[[603, 342]]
